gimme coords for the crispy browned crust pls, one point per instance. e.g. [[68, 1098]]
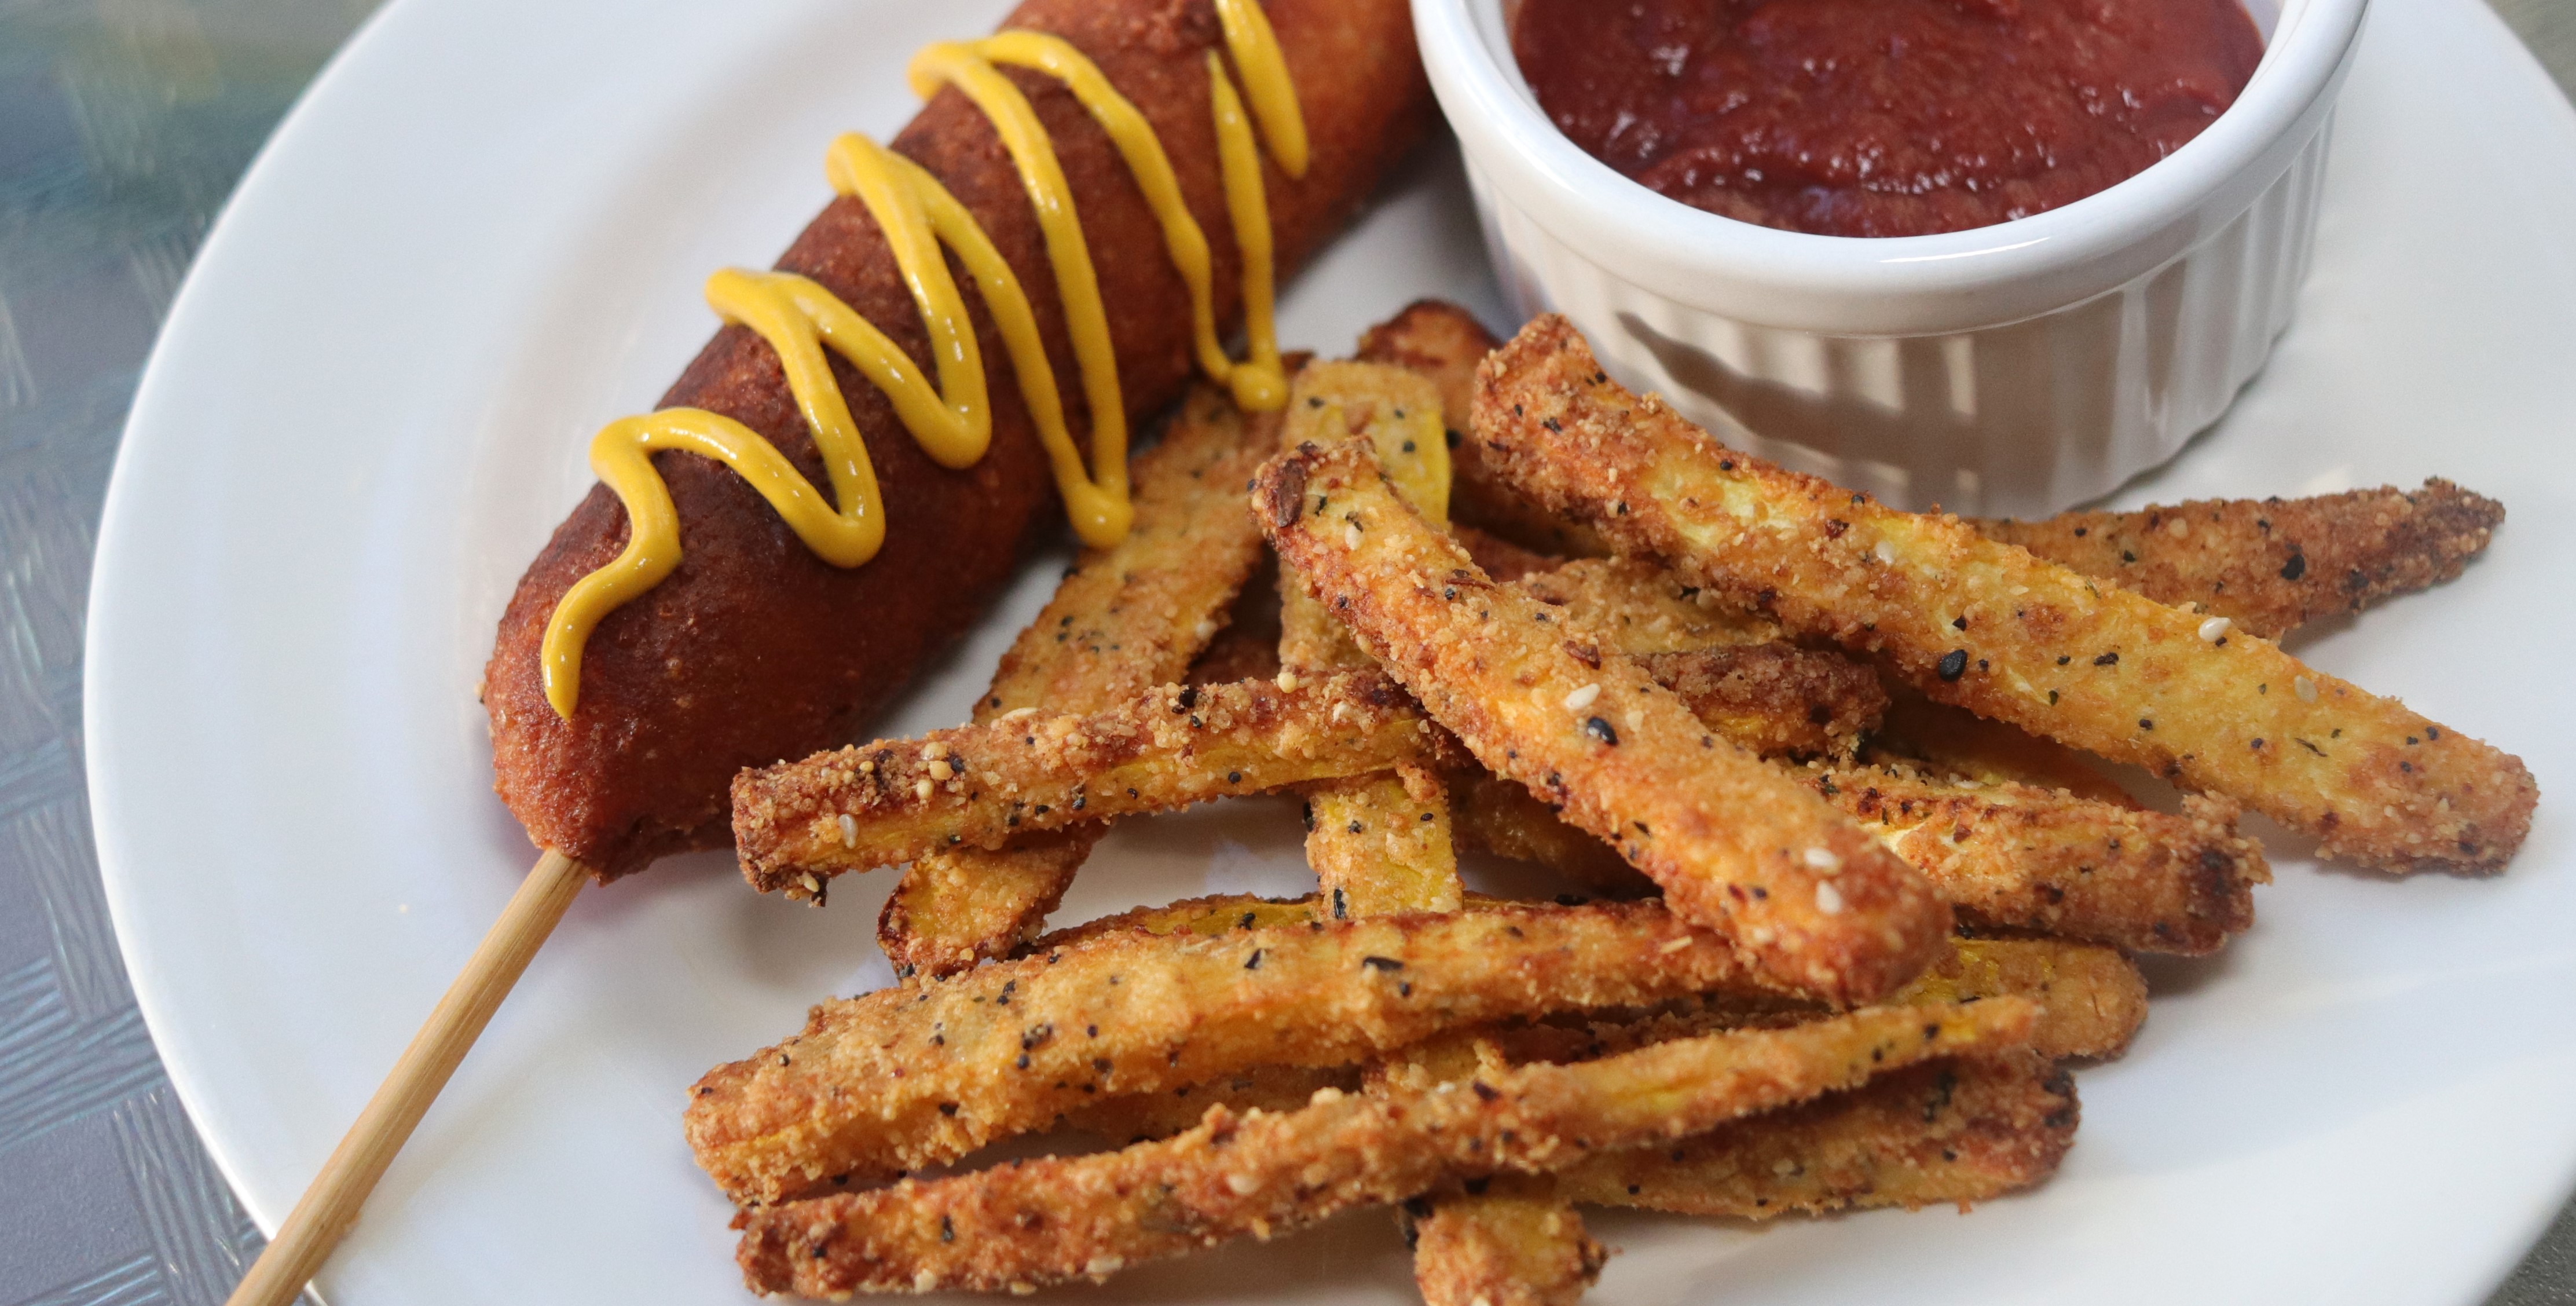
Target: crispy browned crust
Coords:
[[1988, 627], [928, 1071], [1058, 1219], [1125, 619], [2272, 565], [2014, 856], [1810, 897], [1504, 1241], [754, 649], [982, 786], [1956, 1131]]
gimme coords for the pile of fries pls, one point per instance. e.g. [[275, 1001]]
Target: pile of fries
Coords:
[[1852, 897]]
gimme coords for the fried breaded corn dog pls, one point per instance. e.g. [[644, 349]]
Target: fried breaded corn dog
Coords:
[[755, 649]]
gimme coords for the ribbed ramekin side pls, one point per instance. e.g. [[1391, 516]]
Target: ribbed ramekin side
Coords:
[[2020, 419]]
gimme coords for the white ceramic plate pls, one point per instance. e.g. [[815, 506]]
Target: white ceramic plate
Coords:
[[482, 234]]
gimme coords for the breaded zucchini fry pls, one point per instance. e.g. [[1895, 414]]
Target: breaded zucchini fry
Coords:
[[1507, 1240], [1381, 843], [1444, 342], [886, 803], [1988, 627], [1971, 747], [1127, 618], [1057, 1219], [1248, 647], [1378, 842], [1501, 559], [1017, 779], [1958, 1131], [1811, 898], [928, 1071], [2272, 565], [2019, 857], [1744, 673], [1739, 693], [1642, 608], [1501, 817], [1138, 1117], [2092, 1000]]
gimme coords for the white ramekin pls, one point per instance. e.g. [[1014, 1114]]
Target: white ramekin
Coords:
[[2013, 369]]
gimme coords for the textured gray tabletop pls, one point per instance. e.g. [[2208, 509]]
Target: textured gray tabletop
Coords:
[[123, 125]]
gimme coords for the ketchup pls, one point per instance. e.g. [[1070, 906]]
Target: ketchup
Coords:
[[1882, 117]]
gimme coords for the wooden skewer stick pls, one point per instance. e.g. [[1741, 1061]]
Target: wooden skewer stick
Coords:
[[330, 1205]]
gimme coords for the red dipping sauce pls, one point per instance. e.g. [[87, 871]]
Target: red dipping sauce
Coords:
[[1882, 117]]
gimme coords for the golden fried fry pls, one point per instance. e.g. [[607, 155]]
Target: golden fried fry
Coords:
[[1740, 693], [1945, 1131], [882, 804], [1125, 619], [2003, 856], [1740, 676], [1988, 627], [1508, 1240], [1200, 917], [1971, 747], [2092, 1002], [1138, 1117], [1501, 817], [2272, 565], [1248, 647], [1642, 608], [1377, 842], [1444, 342], [1810, 897], [2093, 999], [2019, 857], [1016, 779], [927, 1072], [1381, 843], [1500, 558], [1061, 1218]]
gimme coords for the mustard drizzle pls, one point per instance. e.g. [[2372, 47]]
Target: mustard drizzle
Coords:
[[953, 420]]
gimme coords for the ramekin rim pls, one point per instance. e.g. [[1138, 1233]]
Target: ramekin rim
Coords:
[[1653, 240]]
